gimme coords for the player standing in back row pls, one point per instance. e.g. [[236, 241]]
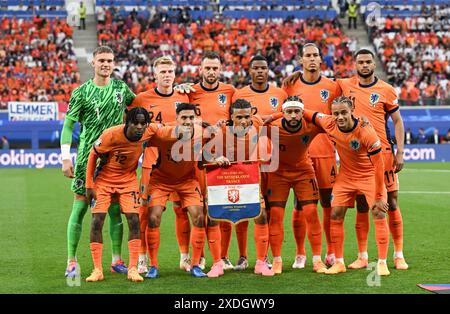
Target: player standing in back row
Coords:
[[377, 100], [317, 93], [97, 105]]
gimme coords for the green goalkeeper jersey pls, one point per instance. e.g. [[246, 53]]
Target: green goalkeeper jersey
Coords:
[[97, 108]]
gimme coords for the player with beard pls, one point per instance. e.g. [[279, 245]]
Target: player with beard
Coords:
[[317, 93], [377, 100]]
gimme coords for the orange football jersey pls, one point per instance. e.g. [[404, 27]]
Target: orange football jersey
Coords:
[[293, 146], [375, 101], [214, 103], [121, 156], [317, 96], [162, 109], [267, 101], [354, 146], [175, 165]]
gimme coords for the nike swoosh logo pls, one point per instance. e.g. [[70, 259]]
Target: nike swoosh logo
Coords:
[[152, 106]]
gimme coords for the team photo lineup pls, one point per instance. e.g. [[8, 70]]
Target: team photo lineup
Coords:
[[263, 145]]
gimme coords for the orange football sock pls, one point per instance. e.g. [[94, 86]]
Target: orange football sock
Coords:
[[198, 242], [276, 230], [133, 247], [314, 228], [261, 235], [382, 237], [213, 234], [96, 253], [299, 229], [396, 228], [337, 237], [326, 214], [143, 221], [225, 237], [153, 240], [241, 235], [182, 228], [362, 227]]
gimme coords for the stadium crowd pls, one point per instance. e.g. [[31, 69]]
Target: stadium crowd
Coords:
[[37, 62], [140, 40], [416, 56]]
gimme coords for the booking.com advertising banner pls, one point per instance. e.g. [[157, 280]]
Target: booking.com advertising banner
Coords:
[[51, 158]]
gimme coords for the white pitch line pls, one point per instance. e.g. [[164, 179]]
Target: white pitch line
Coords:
[[425, 192], [427, 170]]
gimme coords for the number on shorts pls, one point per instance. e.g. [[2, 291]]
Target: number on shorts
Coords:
[[135, 197], [386, 173], [333, 172], [314, 184]]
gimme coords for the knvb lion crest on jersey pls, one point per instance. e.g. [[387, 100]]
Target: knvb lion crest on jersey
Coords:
[[305, 139], [324, 94], [273, 102], [374, 99], [354, 144], [119, 98], [233, 195], [222, 98]]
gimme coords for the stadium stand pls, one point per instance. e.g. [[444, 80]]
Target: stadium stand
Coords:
[[141, 36], [412, 40], [36, 60]]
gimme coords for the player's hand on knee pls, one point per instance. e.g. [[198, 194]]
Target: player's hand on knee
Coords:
[[267, 119], [364, 120], [185, 88], [90, 195], [67, 168], [143, 201], [381, 206], [222, 161]]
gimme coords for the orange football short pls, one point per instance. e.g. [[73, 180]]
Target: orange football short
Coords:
[[128, 199], [188, 192], [326, 171]]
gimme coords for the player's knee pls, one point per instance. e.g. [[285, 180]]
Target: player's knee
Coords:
[[262, 219], [97, 221], [133, 221], [212, 223], [325, 197], [198, 220], [392, 201], [337, 214], [378, 214], [154, 220]]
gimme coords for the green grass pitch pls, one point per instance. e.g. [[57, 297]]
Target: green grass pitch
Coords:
[[35, 206]]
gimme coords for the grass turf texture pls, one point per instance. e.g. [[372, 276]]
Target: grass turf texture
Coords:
[[36, 205]]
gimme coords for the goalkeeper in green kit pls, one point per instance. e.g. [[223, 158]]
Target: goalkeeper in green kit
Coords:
[[98, 104]]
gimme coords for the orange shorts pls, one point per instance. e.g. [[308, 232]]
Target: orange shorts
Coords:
[[326, 171], [128, 198], [390, 177], [279, 185], [345, 191], [188, 191]]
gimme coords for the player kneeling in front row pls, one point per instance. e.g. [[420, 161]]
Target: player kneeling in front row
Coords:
[[118, 149], [179, 147], [361, 171]]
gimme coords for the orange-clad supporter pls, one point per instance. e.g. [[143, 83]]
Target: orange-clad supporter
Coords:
[[244, 140], [118, 149], [161, 103], [361, 171], [180, 149], [39, 59], [316, 92], [234, 42], [295, 171], [377, 100]]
